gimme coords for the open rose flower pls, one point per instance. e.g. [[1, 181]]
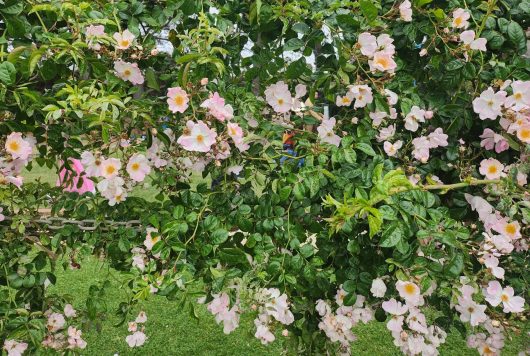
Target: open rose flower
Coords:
[[123, 40], [217, 107], [468, 38], [491, 168], [496, 295], [460, 18], [129, 72], [279, 97], [138, 167], [177, 99], [17, 146], [488, 104], [197, 137]]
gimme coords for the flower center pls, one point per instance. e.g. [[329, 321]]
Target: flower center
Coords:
[[490, 103], [458, 21], [518, 96], [471, 309], [524, 133], [492, 169], [410, 289], [135, 166], [280, 101], [505, 298], [179, 100], [200, 138], [510, 229], [124, 43], [345, 100], [14, 146], [110, 170], [383, 62], [127, 72]]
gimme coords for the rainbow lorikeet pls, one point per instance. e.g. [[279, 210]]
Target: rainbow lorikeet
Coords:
[[288, 147]]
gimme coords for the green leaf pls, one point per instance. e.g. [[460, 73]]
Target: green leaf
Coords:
[[374, 223], [455, 266], [454, 65], [516, 34], [350, 299], [152, 81], [7, 73], [368, 9], [366, 148], [293, 44], [301, 27], [219, 236], [13, 7], [392, 235]]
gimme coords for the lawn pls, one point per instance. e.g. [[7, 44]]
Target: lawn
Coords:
[[172, 332]]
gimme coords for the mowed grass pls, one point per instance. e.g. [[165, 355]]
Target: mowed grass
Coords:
[[171, 331]]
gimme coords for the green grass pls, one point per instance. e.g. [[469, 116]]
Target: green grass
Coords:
[[173, 332]]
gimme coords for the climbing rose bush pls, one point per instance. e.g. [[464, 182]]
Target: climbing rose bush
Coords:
[[315, 164]]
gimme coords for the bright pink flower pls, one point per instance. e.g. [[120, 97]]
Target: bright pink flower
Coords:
[[197, 137], [69, 179], [177, 99]]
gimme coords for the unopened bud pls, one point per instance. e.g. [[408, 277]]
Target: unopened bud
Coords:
[[154, 52], [285, 332], [204, 81]]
